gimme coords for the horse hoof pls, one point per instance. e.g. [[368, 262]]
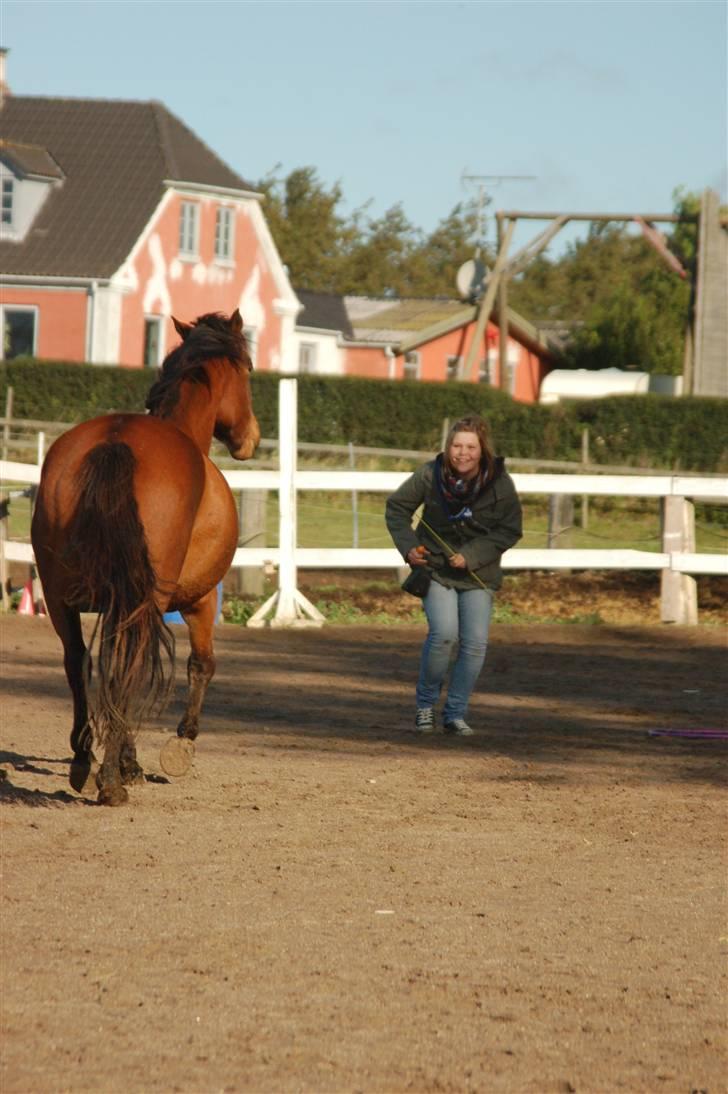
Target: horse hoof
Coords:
[[133, 776], [112, 795], [82, 776], [176, 756]]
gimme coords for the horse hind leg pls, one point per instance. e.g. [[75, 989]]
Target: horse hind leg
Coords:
[[129, 767], [109, 777], [177, 755], [67, 623]]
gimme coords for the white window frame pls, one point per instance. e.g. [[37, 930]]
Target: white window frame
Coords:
[[224, 234], [485, 368], [453, 361], [34, 311], [512, 361], [159, 323], [307, 357], [411, 365], [189, 229]]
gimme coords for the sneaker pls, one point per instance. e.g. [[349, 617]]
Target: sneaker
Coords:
[[458, 727], [425, 720]]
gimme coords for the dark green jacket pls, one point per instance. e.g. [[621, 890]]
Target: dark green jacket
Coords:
[[495, 525]]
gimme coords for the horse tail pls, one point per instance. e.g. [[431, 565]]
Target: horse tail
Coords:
[[117, 580]]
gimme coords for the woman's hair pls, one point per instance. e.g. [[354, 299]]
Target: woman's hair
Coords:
[[473, 423]]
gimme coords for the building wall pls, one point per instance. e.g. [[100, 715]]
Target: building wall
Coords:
[[158, 281], [530, 372], [60, 319], [369, 361], [528, 368]]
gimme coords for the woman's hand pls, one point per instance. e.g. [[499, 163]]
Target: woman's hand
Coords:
[[418, 556], [458, 562]]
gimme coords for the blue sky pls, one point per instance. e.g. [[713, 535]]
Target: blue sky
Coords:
[[609, 105]]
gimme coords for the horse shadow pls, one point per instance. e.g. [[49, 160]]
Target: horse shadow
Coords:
[[10, 793], [19, 795]]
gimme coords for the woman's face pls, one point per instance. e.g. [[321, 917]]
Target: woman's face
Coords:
[[464, 455]]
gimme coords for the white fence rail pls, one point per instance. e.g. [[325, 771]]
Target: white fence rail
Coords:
[[288, 605]]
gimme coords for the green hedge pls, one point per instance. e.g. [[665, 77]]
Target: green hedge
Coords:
[[686, 434], [635, 430], [55, 391]]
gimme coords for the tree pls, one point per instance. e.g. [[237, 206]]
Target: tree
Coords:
[[326, 251], [380, 259], [626, 308], [310, 233]]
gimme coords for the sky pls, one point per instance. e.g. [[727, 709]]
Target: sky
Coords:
[[608, 106]]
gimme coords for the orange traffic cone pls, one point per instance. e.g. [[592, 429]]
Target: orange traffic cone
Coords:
[[26, 606]]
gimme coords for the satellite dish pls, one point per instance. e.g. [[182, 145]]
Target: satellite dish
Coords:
[[469, 279]]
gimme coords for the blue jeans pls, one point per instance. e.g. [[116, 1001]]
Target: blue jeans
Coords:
[[456, 617]]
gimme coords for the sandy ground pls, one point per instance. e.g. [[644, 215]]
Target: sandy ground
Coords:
[[328, 903]]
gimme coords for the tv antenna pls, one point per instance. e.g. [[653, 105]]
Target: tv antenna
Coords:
[[483, 182]]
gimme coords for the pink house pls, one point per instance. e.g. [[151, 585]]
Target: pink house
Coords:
[[116, 216]]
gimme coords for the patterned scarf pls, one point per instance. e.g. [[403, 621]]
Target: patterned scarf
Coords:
[[457, 495]]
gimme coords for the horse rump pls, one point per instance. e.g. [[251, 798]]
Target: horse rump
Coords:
[[117, 580]]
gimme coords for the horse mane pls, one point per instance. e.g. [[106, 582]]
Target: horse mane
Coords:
[[210, 338]]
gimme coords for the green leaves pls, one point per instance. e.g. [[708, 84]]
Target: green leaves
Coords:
[[326, 251]]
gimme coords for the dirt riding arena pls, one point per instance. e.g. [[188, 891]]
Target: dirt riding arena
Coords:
[[327, 903]]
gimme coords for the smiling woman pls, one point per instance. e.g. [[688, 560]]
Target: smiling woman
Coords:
[[471, 516]]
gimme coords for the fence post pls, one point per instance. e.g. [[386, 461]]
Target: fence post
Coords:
[[585, 462], [354, 502], [4, 570], [290, 607], [8, 415], [253, 506], [561, 520], [678, 592]]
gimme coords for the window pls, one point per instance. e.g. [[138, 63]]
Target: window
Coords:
[[485, 369], [224, 224], [411, 366], [189, 229], [454, 368], [19, 327], [7, 200], [307, 357], [251, 339], [152, 341]]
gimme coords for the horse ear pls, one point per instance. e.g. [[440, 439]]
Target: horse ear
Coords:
[[183, 329], [236, 322]]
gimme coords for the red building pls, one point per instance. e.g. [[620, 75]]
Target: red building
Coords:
[[417, 340]]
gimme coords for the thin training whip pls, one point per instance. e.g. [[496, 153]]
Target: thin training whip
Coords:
[[441, 541]]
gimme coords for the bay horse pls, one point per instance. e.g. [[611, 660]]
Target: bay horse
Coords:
[[132, 519]]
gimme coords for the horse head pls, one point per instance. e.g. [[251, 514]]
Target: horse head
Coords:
[[236, 425], [214, 356]]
